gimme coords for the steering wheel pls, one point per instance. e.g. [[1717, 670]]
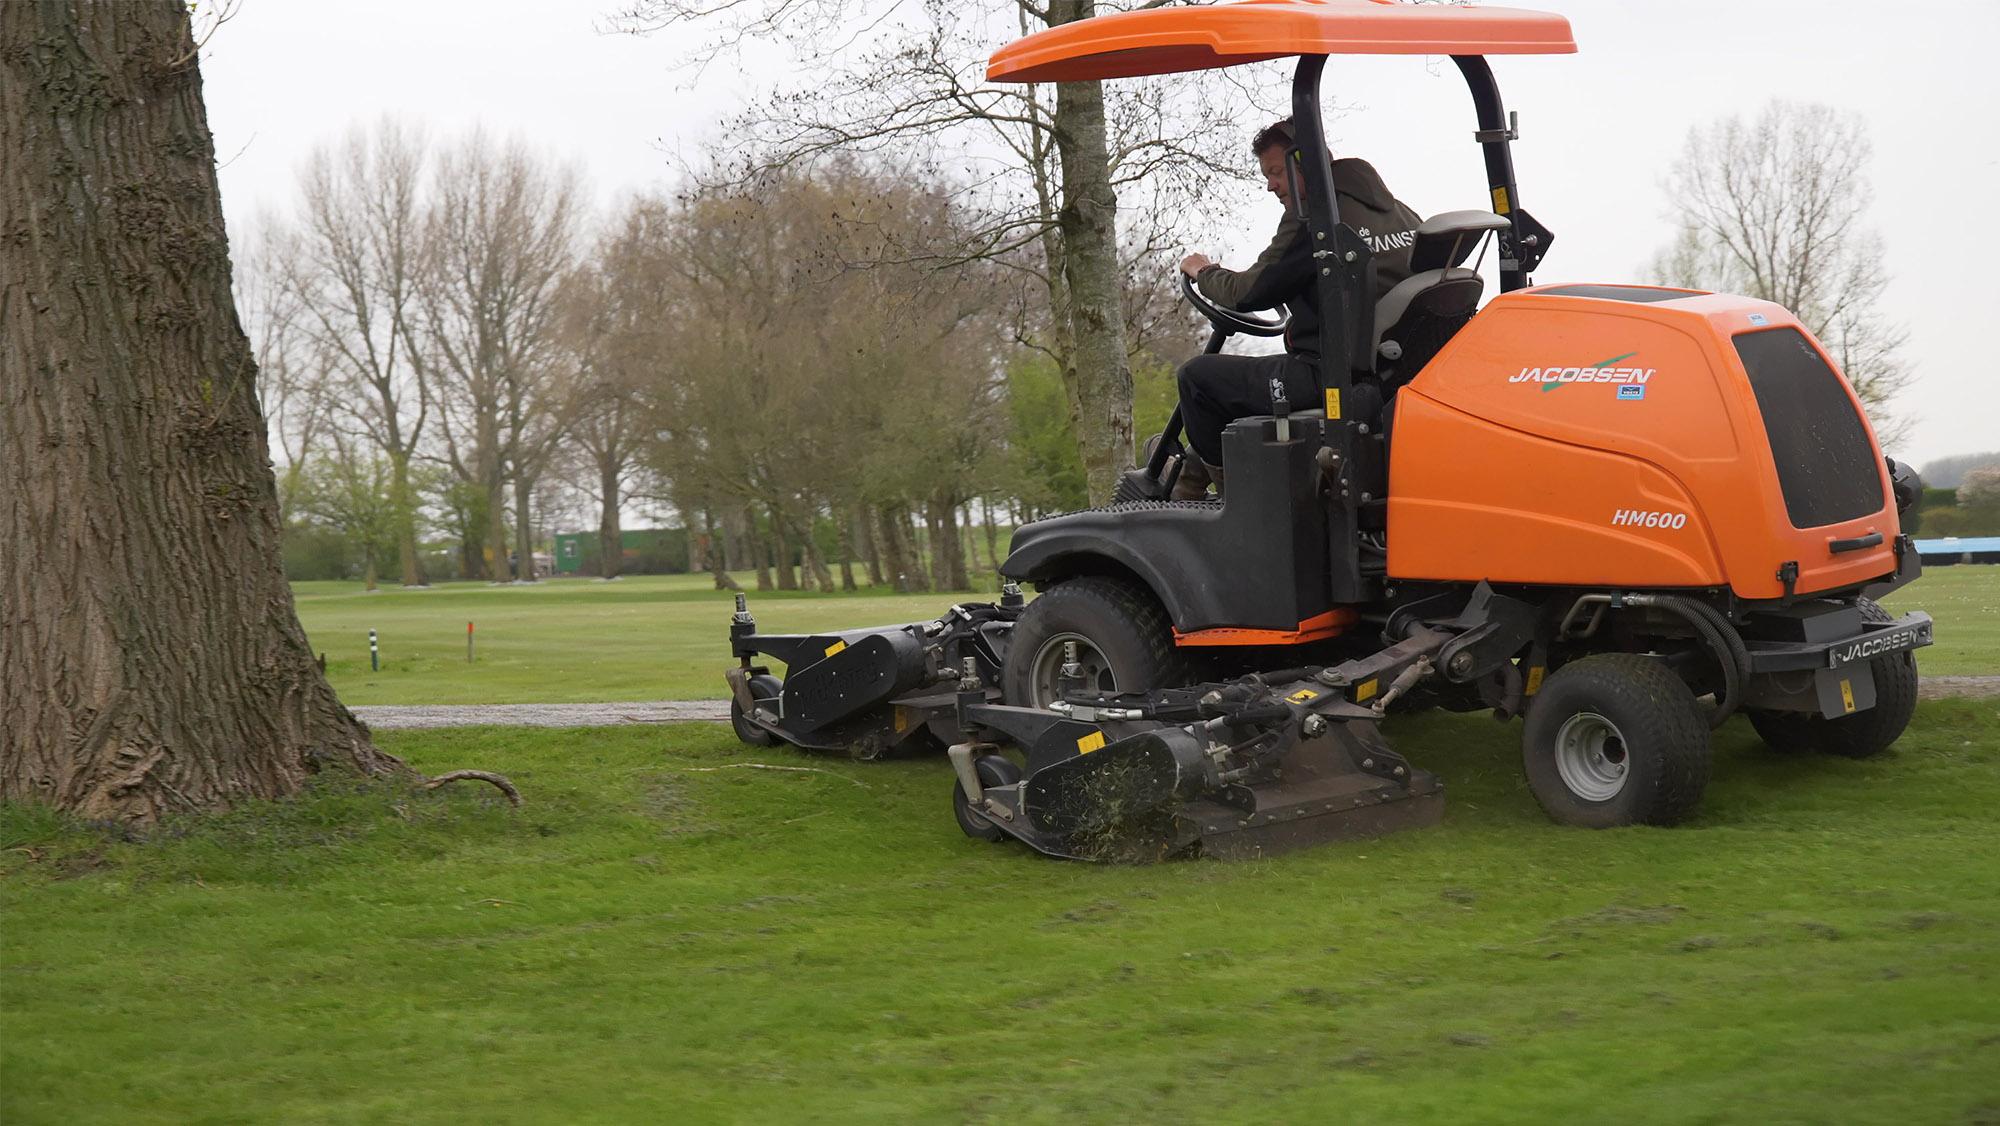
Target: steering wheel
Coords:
[[1227, 321]]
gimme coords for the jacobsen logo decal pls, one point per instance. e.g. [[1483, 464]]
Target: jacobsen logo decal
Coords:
[[1891, 642], [1603, 371]]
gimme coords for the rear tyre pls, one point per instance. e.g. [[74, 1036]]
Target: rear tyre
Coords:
[[1616, 739], [1862, 734], [1124, 640], [761, 688], [993, 771]]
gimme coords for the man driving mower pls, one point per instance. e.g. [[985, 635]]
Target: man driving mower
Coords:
[[1215, 390]]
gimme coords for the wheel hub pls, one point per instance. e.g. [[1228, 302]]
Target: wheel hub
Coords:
[[1591, 757], [1048, 663]]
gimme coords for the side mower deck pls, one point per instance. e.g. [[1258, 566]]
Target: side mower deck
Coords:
[[1276, 761], [1253, 767]]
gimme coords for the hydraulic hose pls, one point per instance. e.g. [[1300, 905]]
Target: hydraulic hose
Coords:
[[1721, 639]]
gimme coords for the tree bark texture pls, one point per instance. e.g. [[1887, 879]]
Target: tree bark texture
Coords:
[[845, 546], [992, 537], [406, 522], [735, 553], [524, 530], [864, 527], [151, 660], [1099, 369], [781, 551], [611, 537], [717, 560], [760, 554]]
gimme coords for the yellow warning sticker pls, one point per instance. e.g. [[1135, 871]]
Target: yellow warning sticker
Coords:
[[1090, 742], [1535, 679], [902, 719], [1303, 695], [1365, 690], [1847, 694], [835, 648], [1333, 402], [1499, 201]]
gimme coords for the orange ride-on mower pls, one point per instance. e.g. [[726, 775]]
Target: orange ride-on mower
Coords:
[[1592, 506]]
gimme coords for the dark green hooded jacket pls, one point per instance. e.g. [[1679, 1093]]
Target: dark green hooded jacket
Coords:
[[1284, 274]]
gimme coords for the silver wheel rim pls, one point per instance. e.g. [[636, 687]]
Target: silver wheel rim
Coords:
[[973, 817], [1047, 667], [1591, 756]]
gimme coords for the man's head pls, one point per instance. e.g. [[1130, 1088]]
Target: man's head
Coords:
[[1273, 146]]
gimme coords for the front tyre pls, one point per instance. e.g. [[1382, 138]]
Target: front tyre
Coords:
[[1616, 739], [1124, 641], [1863, 734], [762, 688], [994, 771]]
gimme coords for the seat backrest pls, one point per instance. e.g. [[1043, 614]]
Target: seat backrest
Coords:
[[1415, 319]]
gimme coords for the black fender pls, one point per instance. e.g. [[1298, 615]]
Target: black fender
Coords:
[[1100, 542], [1258, 559]]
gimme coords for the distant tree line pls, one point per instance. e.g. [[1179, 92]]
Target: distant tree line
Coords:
[[824, 373]]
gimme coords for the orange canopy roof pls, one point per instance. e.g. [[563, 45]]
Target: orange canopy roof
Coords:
[[1166, 40]]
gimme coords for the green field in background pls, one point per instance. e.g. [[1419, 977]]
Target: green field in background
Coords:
[[666, 637]]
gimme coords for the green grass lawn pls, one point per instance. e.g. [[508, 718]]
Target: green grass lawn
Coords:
[[643, 637], [664, 935], [666, 637]]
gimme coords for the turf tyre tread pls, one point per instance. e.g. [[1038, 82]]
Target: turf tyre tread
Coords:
[[1665, 731], [993, 771], [1121, 617], [762, 688], [1863, 734]]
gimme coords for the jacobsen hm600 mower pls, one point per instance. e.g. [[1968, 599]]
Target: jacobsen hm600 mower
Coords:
[[1590, 505]]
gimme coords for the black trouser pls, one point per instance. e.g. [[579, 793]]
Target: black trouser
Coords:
[[1218, 390]]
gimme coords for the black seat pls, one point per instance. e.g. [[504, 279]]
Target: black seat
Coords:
[[1415, 319]]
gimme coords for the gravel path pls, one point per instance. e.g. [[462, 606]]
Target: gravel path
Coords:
[[543, 715], [1938, 687], [681, 711]]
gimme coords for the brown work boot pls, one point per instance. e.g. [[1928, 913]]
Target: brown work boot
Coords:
[[1196, 475]]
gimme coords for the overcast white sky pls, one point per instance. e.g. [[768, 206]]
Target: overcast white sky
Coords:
[[1598, 128]]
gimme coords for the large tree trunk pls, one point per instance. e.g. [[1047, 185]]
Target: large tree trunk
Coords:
[[781, 548], [947, 545], [903, 557], [895, 565], [992, 536], [406, 521], [815, 564], [496, 525], [735, 553], [151, 659], [760, 555], [845, 545], [1096, 372], [864, 524], [610, 537], [716, 559], [524, 531]]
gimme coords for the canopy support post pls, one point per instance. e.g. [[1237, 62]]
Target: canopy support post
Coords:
[[1524, 243], [1344, 265]]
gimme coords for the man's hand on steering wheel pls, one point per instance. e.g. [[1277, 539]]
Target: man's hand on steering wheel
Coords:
[[1227, 321], [1195, 263]]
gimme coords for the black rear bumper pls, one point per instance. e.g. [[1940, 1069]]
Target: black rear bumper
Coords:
[[1874, 639]]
